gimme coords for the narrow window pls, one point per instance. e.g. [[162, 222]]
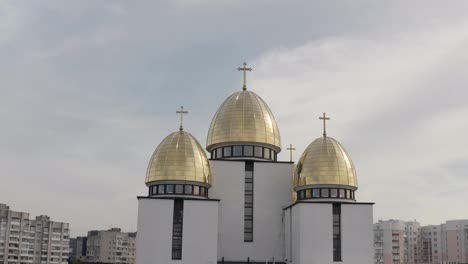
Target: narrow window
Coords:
[[219, 153], [227, 152], [316, 193], [196, 190], [259, 152], [188, 189], [248, 151], [237, 151], [267, 153], [336, 232], [325, 193], [248, 202], [177, 227]]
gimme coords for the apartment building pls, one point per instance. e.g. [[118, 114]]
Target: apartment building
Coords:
[[390, 242], [108, 246], [38, 241], [433, 244]]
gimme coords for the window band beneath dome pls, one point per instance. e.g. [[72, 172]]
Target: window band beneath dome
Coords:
[[325, 193], [244, 151], [178, 189]]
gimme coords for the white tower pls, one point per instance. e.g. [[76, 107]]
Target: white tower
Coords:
[[177, 222], [326, 224], [252, 185]]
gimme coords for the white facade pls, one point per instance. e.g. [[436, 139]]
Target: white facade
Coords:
[[309, 233], [38, 241], [272, 192], [200, 235]]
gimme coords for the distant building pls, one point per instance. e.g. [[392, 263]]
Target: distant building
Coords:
[[399, 242], [108, 246], [38, 241], [389, 242]]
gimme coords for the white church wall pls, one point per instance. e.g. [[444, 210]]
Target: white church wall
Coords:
[[199, 233], [311, 226], [357, 233], [272, 192], [154, 239]]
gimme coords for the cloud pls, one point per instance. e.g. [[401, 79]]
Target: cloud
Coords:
[[89, 90], [396, 104]]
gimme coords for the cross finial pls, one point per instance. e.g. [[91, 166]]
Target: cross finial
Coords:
[[181, 112], [291, 149], [324, 118], [244, 69]]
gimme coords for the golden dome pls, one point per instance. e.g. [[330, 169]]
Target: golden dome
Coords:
[[244, 118], [325, 162], [179, 157]]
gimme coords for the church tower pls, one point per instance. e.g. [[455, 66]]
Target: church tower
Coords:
[[252, 185], [177, 221], [326, 224]]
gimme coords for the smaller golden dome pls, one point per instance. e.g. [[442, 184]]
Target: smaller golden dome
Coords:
[[325, 162], [244, 118], [179, 157]]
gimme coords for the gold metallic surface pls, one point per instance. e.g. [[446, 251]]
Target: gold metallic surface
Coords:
[[325, 162], [244, 118], [179, 157]]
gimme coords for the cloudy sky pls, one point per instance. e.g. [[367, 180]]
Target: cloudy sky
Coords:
[[89, 88]]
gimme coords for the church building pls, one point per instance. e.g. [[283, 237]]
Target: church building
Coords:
[[243, 205]]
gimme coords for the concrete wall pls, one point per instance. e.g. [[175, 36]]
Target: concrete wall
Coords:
[[154, 240], [311, 233], [272, 192]]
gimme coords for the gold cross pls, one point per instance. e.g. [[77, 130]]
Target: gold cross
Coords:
[[290, 151], [181, 112], [245, 69], [324, 118]]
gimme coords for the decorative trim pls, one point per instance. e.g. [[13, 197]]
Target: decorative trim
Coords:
[[244, 151]]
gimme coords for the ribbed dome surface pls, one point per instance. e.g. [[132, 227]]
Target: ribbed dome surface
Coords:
[[179, 157], [244, 118], [325, 162]]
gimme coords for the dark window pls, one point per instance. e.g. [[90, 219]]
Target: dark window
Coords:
[[177, 227], [248, 201], [333, 193], [179, 189], [325, 193], [219, 153], [336, 232], [237, 151], [160, 189], [188, 189], [267, 153], [316, 193], [227, 151], [342, 193], [301, 194], [202, 191], [258, 152], [348, 194], [248, 151], [196, 190], [170, 188]]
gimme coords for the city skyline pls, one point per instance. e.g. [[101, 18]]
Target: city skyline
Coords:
[[90, 89]]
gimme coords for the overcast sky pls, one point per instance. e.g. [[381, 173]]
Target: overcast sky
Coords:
[[89, 89]]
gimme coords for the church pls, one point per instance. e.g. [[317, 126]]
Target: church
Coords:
[[235, 202]]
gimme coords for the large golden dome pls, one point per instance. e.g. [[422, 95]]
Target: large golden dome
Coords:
[[244, 118], [179, 157], [325, 162]]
